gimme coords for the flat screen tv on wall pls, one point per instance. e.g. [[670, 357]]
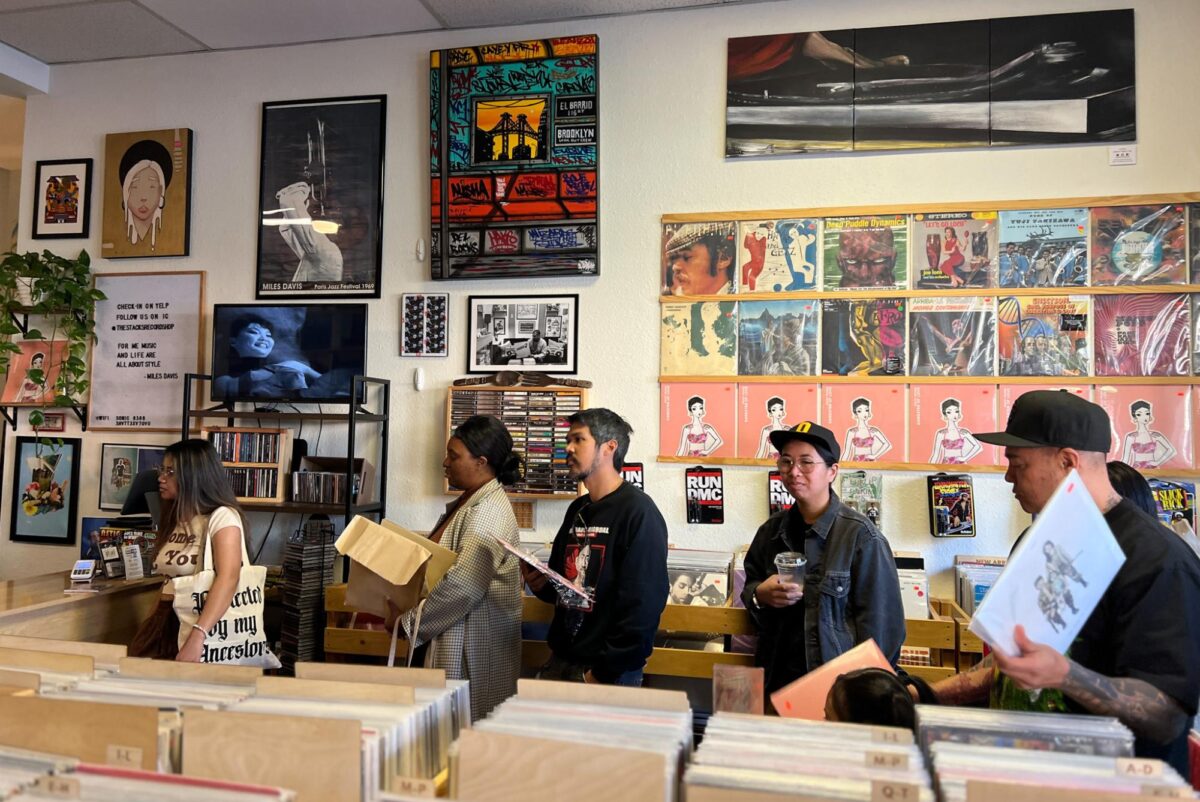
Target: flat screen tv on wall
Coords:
[[287, 352]]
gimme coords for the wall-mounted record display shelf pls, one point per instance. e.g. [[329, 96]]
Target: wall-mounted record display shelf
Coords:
[[827, 307], [537, 420]]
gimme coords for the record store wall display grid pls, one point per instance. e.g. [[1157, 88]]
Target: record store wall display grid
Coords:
[[906, 330]]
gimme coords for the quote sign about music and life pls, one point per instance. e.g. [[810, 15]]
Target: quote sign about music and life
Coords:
[[148, 335]]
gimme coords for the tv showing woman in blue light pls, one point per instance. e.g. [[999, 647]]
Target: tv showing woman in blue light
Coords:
[[287, 352]]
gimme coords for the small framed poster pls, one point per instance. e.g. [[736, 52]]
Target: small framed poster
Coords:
[[507, 330], [119, 464], [45, 492], [62, 199]]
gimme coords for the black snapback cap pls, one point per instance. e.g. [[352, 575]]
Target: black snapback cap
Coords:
[[812, 433], [1056, 419]]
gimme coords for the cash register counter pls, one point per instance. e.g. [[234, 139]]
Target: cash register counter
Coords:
[[37, 607]]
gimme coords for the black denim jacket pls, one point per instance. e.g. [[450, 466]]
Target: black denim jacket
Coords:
[[851, 592]]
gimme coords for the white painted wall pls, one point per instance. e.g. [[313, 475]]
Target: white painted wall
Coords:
[[662, 85]]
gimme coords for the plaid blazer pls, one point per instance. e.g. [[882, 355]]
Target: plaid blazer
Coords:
[[472, 619]]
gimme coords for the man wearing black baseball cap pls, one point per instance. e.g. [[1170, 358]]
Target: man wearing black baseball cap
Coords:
[[853, 592], [1138, 656]]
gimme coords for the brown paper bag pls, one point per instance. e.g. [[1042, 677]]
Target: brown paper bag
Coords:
[[383, 565]]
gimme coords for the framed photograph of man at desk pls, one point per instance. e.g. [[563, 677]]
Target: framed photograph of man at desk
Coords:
[[523, 332]]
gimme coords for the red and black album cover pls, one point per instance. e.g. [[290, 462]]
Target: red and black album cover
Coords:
[[1139, 245], [862, 338], [1142, 335], [704, 489]]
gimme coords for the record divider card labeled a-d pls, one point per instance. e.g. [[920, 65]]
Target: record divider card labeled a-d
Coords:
[[537, 420]]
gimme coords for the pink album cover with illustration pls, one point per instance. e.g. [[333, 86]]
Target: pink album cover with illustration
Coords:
[[1151, 424], [942, 419], [697, 419], [764, 408], [868, 420]]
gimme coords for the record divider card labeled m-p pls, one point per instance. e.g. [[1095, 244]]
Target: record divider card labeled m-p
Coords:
[[704, 489], [1056, 576]]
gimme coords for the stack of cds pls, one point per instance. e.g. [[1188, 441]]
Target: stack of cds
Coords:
[[1084, 735], [307, 570], [956, 764], [697, 577], [801, 758]]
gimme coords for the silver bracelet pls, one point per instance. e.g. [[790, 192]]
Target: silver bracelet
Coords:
[[201, 630]]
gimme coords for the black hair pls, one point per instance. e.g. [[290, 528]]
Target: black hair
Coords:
[[486, 437], [696, 399], [719, 247], [605, 425], [1139, 404], [858, 402], [773, 400], [242, 321], [876, 696], [202, 486], [1132, 485], [146, 150], [950, 402]]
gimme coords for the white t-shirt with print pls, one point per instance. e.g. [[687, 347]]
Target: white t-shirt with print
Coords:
[[180, 553]]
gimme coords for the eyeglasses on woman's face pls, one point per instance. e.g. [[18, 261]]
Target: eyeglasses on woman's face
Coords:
[[165, 472]]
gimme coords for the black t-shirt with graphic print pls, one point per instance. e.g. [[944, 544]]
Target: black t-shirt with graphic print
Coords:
[[619, 544]]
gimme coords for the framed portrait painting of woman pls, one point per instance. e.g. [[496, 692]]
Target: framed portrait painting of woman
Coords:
[[147, 193]]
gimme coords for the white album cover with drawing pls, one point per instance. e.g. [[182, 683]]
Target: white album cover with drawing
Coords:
[[1056, 577]]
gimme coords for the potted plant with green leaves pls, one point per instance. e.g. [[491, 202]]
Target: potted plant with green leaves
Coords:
[[57, 291]]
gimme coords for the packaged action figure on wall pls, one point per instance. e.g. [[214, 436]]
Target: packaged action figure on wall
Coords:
[[952, 336], [863, 491], [704, 489], [1138, 245], [961, 250], [779, 255], [777, 338], [1043, 248], [951, 505], [1176, 502], [862, 338], [778, 497], [1043, 335], [1143, 335]]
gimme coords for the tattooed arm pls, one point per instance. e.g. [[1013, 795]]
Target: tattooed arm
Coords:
[[968, 687], [1147, 711], [1143, 708]]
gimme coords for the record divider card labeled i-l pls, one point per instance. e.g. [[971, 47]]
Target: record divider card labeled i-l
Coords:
[[537, 420]]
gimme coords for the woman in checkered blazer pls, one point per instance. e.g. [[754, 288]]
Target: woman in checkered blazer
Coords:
[[471, 622]]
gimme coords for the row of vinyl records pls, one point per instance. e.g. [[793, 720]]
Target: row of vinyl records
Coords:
[[1140, 334], [701, 421], [1053, 247], [368, 736], [246, 446], [380, 734]]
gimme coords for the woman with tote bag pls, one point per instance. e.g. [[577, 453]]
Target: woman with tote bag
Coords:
[[201, 525]]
